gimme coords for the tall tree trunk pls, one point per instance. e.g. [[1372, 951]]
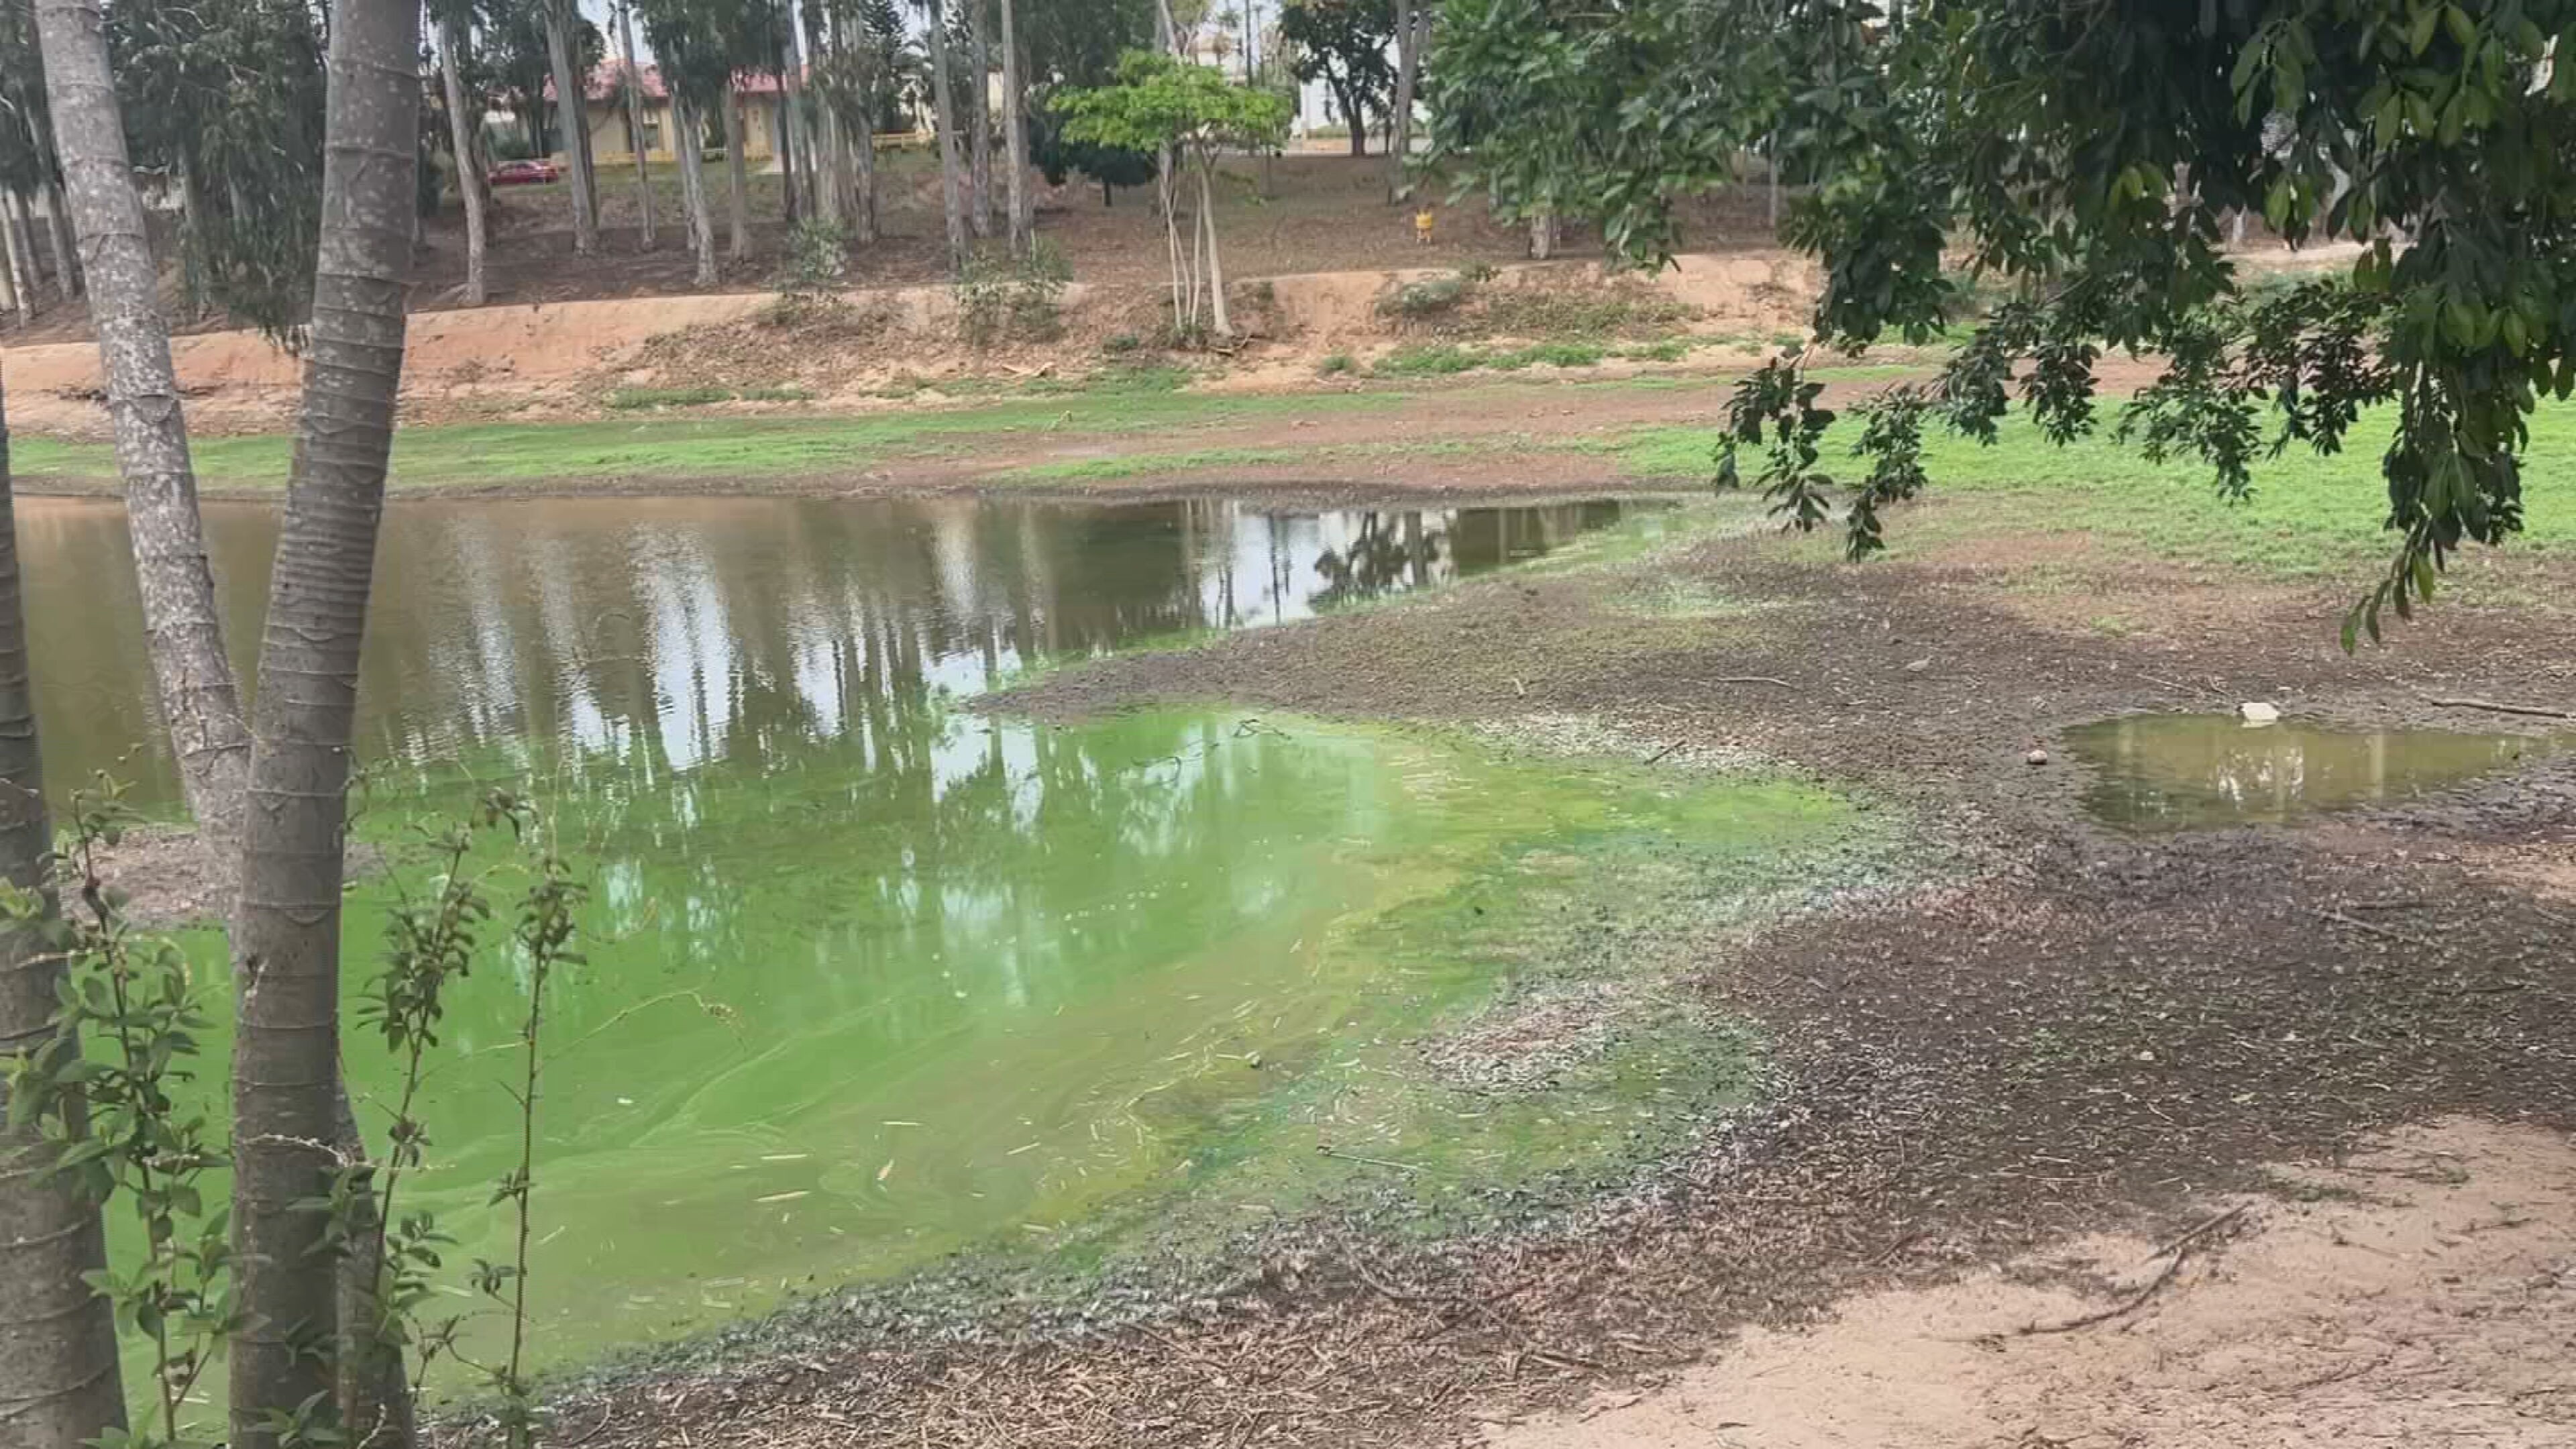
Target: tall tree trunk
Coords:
[[460, 130], [58, 1368], [22, 253], [738, 197], [1215, 268], [693, 186], [804, 137], [951, 190], [1015, 137], [827, 150], [58, 235], [863, 177], [570, 88], [8, 264], [1411, 19], [635, 125], [1355, 111], [287, 1106], [980, 114], [199, 702]]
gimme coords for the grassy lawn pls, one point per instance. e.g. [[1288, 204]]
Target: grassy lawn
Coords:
[[2309, 515], [723, 447]]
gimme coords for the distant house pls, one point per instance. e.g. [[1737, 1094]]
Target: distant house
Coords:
[[604, 112]]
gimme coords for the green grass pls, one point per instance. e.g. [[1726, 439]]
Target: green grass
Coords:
[[721, 447], [638, 399], [2308, 516], [1445, 359]]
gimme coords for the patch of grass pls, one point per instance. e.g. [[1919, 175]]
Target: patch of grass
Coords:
[[1553, 354], [1599, 312], [1337, 363], [632, 399], [1671, 349], [2309, 515], [1434, 297], [1438, 359], [786, 392], [745, 448]]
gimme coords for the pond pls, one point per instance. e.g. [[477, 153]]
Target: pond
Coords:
[[874, 978], [2177, 771]]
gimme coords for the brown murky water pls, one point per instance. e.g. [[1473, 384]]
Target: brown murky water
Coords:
[[2178, 771]]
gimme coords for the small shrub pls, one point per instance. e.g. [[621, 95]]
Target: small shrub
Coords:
[[1671, 349], [1001, 298], [1438, 360], [785, 392], [1337, 363], [818, 257], [1554, 354], [1118, 344], [1478, 273], [1435, 297]]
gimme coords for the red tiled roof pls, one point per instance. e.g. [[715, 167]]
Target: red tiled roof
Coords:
[[603, 82]]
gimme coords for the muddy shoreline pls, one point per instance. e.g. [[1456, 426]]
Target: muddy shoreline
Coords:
[[2066, 1028]]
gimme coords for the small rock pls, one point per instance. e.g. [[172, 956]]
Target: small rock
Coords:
[[2036, 757], [2259, 713], [1919, 665]]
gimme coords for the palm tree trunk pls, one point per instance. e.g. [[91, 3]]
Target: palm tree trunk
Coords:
[[980, 114], [952, 199], [691, 144], [460, 131], [635, 125], [1015, 138], [570, 118], [199, 702], [58, 1368], [287, 1106], [738, 199]]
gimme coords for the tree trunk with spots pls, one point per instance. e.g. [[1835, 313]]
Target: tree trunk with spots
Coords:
[[58, 1364], [199, 701], [287, 1107]]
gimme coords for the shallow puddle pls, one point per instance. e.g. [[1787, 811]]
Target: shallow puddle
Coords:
[[873, 979], [2165, 772]]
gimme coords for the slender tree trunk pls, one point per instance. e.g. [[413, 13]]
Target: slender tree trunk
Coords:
[[287, 1106], [1355, 111], [460, 130], [199, 702], [1015, 137], [828, 196], [863, 177], [58, 235], [22, 254], [738, 198], [570, 88], [693, 187], [980, 112], [8, 265], [58, 1368], [804, 136], [951, 185], [1215, 268], [1408, 63], [635, 125], [1542, 231]]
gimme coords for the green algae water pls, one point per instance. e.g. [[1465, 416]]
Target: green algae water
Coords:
[[874, 979], [2179, 771]]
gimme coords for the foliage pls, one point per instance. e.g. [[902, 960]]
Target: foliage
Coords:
[[1057, 156], [817, 260], [124, 1127], [118, 1122], [1578, 111], [1344, 44], [2094, 159], [1430, 297], [1005, 298]]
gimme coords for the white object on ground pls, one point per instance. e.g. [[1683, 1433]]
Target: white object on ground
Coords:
[[2258, 713]]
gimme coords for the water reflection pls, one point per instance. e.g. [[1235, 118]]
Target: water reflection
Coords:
[[2178, 771], [703, 629]]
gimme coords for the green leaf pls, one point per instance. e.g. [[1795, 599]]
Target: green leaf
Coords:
[[2419, 31], [2462, 28]]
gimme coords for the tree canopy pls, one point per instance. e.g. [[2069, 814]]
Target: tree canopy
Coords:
[[1343, 43], [2091, 159]]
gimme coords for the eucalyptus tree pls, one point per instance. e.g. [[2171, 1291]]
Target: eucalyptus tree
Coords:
[[952, 197], [1021, 221], [453, 20], [630, 87], [697, 70], [1413, 22], [979, 137], [563, 22]]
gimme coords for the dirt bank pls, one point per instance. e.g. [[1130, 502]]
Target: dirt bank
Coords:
[[2063, 1031]]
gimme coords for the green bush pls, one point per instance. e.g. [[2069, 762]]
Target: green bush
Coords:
[[1001, 298], [818, 257], [1336, 363], [630, 399]]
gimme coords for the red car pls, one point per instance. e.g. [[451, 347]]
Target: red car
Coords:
[[524, 173]]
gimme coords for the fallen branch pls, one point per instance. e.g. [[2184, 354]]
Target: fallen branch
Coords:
[[1753, 679], [1528, 1344], [2180, 1249], [2368, 928], [2536, 711]]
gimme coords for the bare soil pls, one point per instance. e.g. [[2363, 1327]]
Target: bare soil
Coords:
[[2063, 1032]]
